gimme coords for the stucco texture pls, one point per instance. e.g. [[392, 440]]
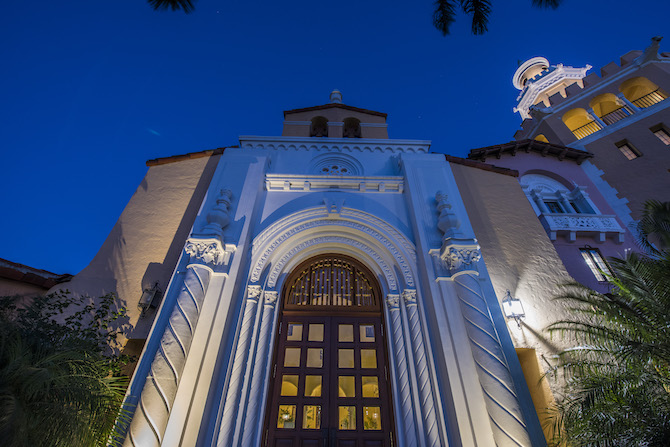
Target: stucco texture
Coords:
[[518, 254], [145, 243]]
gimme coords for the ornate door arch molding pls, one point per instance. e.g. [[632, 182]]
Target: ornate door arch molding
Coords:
[[391, 257]]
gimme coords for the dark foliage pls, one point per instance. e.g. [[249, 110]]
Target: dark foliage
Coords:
[[59, 374], [444, 13], [617, 389], [176, 5]]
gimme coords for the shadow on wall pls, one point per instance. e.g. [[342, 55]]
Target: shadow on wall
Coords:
[[161, 272]]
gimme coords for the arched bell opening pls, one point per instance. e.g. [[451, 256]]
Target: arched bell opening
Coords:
[[330, 382]]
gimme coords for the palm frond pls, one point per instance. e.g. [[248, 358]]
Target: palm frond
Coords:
[[480, 10], [444, 15], [553, 4], [185, 5], [617, 389], [654, 227]]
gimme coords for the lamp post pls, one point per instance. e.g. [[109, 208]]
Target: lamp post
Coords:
[[513, 308]]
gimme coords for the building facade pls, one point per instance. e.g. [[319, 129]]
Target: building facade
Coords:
[[578, 219], [622, 117], [332, 285]]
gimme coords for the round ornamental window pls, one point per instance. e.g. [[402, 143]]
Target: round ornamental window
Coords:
[[335, 170], [336, 164]]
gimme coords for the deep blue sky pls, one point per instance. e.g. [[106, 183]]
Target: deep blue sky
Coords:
[[90, 90]]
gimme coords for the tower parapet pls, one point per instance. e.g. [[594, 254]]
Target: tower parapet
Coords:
[[538, 81]]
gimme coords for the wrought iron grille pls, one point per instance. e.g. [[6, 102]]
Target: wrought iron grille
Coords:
[[331, 281]]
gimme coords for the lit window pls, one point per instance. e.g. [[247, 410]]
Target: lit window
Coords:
[[628, 150], [596, 263], [662, 135]]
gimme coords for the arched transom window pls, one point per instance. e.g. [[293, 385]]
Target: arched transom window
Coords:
[[331, 281]]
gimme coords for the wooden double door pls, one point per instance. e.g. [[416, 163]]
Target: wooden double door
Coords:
[[329, 382]]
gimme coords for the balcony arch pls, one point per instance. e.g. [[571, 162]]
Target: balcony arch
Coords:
[[319, 127], [642, 92], [580, 123], [609, 108], [352, 128]]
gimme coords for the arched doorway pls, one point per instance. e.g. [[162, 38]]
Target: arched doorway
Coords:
[[329, 384]]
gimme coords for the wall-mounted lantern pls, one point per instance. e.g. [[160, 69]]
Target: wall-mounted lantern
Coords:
[[513, 308], [150, 298]]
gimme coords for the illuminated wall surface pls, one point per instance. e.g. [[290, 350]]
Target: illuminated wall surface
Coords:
[[403, 340]]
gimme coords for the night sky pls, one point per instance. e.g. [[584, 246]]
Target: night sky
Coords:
[[90, 90]]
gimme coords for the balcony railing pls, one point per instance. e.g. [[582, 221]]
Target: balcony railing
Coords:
[[650, 99], [571, 224], [616, 115], [587, 129]]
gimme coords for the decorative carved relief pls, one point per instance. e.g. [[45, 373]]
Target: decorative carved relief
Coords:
[[409, 295], [253, 292], [208, 245], [458, 257], [209, 251], [271, 298], [262, 260], [316, 213], [393, 301], [279, 265]]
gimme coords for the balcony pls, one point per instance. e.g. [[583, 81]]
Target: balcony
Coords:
[[649, 99], [616, 115], [589, 225], [587, 129]]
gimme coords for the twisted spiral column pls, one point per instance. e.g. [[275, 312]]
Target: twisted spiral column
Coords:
[[150, 419], [393, 301], [256, 390], [230, 409], [502, 403], [422, 372]]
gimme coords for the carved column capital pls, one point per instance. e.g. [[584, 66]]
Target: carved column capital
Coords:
[[206, 250], [393, 301], [409, 295], [253, 293], [270, 298], [460, 255]]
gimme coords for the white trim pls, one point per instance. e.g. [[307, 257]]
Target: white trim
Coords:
[[276, 251], [335, 144], [301, 183]]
